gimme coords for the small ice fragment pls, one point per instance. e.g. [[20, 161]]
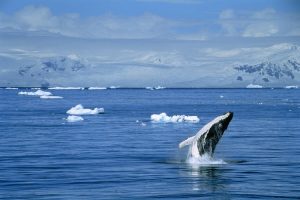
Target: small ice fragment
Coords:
[[51, 97], [97, 88], [73, 118], [252, 86]]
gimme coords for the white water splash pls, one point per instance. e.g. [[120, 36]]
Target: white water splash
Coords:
[[204, 160]]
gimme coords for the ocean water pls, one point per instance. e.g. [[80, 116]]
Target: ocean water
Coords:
[[114, 156]]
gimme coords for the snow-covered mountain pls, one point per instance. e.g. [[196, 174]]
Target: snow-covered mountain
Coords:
[[49, 68], [280, 67], [266, 72], [270, 66]]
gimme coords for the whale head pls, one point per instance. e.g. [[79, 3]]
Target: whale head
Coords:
[[205, 141]]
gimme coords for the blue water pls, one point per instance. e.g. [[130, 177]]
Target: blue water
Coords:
[[111, 156]]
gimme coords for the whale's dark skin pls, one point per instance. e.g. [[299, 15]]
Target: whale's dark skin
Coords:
[[206, 140]]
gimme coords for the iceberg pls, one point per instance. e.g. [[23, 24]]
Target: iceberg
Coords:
[[254, 86], [97, 88], [73, 118], [51, 97], [80, 110], [36, 93], [163, 117]]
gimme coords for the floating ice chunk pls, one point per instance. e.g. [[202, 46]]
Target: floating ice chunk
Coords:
[[114, 87], [221, 96], [80, 110], [254, 86], [149, 88], [291, 87], [159, 88], [73, 118], [11, 88], [163, 117], [51, 97], [66, 88], [97, 88], [36, 93]]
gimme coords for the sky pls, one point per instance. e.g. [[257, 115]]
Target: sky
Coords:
[[119, 39]]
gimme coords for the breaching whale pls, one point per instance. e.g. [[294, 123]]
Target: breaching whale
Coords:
[[205, 141]]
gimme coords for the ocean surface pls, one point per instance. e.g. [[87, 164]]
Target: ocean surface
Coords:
[[121, 154]]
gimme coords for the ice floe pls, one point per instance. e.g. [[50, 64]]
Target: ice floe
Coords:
[[149, 88], [74, 118], [80, 110], [11, 88], [159, 88], [114, 87], [66, 88], [291, 87], [163, 117], [51, 97], [97, 88], [250, 86], [155, 88], [36, 93]]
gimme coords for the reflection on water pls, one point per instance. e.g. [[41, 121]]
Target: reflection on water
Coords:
[[206, 178]]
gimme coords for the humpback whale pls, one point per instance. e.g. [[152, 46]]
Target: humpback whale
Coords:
[[205, 141]]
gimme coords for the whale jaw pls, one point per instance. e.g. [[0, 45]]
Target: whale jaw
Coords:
[[205, 141]]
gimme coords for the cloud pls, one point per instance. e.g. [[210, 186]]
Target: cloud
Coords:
[[40, 18], [261, 23], [237, 23], [260, 30]]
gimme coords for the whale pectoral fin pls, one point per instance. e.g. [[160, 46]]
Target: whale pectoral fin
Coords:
[[186, 142]]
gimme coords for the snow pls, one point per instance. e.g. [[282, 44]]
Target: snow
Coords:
[[254, 86], [97, 88], [163, 117], [36, 93], [51, 97], [80, 110], [66, 88], [73, 118]]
